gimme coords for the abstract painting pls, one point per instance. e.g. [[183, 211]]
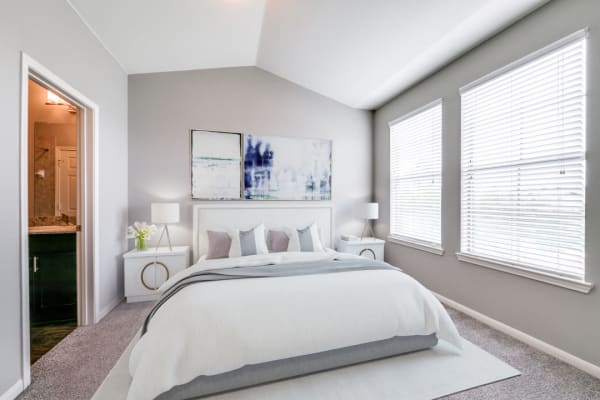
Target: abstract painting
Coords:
[[282, 168], [216, 165]]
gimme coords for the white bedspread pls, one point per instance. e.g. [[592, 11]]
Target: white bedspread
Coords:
[[215, 327]]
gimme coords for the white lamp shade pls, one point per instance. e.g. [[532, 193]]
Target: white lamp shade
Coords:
[[366, 210], [164, 213]]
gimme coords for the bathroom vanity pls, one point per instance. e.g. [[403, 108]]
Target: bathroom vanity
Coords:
[[52, 274]]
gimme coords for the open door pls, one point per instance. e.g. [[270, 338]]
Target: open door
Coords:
[[66, 181]]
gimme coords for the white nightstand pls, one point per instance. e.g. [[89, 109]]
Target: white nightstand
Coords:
[[367, 247], [146, 270]]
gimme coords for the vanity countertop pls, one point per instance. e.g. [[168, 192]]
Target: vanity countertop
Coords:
[[41, 230]]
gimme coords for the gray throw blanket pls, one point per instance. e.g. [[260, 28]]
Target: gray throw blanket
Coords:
[[268, 271]]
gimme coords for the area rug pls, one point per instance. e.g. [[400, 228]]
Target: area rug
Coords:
[[423, 375]]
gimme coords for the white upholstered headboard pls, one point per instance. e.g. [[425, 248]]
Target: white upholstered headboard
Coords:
[[246, 215]]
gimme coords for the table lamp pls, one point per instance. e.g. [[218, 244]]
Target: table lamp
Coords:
[[164, 213], [366, 211]]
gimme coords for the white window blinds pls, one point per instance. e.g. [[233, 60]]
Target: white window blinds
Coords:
[[523, 162], [416, 176]]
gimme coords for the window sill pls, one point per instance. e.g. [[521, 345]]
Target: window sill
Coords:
[[416, 245], [552, 279]]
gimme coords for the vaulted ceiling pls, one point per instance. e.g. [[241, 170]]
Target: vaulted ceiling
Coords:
[[358, 52]]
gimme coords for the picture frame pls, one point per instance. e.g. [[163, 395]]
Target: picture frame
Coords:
[[282, 168], [253, 167], [216, 165]]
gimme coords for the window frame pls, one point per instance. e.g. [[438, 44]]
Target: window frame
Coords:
[[408, 241], [546, 276]]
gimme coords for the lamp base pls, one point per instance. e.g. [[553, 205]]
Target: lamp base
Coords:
[[165, 229], [367, 228]]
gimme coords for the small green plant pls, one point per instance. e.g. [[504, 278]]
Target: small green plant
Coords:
[[141, 232]]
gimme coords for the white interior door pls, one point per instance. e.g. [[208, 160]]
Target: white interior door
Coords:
[[66, 181]]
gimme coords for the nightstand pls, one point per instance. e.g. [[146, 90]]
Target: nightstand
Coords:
[[367, 247], [146, 270]]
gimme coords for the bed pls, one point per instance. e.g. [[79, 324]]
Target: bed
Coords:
[[231, 323]]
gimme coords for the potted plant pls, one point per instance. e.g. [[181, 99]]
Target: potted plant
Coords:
[[141, 232]]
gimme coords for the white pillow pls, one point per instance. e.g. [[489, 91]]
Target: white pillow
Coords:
[[236, 249], [294, 243]]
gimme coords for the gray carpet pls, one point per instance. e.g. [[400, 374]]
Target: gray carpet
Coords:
[[543, 377], [77, 366]]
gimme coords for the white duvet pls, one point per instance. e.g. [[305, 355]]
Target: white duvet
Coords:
[[215, 327]]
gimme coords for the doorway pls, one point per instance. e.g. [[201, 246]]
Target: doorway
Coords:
[[58, 212], [53, 192]]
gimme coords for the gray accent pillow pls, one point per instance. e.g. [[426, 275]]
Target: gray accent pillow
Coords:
[[219, 244], [248, 242], [309, 239], [253, 241], [278, 241], [306, 239]]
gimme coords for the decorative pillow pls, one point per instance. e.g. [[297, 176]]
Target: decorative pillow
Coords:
[[309, 239], [236, 249], [278, 241], [219, 244], [294, 244], [253, 241]]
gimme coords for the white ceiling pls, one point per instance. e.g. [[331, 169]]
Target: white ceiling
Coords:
[[174, 35], [359, 52]]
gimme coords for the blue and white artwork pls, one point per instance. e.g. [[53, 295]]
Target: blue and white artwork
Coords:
[[281, 168], [216, 165]]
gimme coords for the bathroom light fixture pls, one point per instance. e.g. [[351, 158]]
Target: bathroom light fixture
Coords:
[[52, 99], [164, 213]]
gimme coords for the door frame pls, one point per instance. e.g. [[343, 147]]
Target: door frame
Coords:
[[88, 204]]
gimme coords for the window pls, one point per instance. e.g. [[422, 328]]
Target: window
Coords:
[[523, 163], [416, 177]]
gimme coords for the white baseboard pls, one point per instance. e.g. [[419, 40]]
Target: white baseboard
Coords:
[[538, 344], [13, 391], [105, 310]]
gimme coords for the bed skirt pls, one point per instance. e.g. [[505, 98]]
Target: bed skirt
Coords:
[[252, 375]]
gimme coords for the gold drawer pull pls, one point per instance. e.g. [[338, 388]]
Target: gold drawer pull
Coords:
[[144, 270]]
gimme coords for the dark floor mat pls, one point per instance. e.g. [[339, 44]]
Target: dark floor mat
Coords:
[[44, 338]]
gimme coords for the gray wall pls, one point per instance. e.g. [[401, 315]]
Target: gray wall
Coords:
[[164, 107], [561, 317], [50, 32]]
